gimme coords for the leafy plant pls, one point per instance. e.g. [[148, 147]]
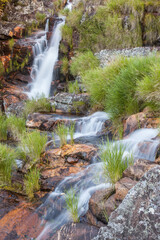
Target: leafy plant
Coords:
[[33, 144], [7, 162], [73, 87], [72, 204], [31, 182], [62, 132], [114, 161]]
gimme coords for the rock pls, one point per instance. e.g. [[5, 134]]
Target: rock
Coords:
[[122, 187], [139, 168], [138, 216], [75, 231], [71, 103], [140, 120], [102, 203], [15, 109]]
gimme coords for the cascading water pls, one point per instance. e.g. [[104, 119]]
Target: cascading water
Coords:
[[87, 182], [45, 60]]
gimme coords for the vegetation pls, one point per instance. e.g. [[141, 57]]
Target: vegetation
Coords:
[[31, 182], [40, 17], [114, 161], [16, 126], [65, 67], [32, 145], [72, 204], [62, 132], [3, 127], [73, 87], [71, 133], [2, 69], [41, 104], [116, 87], [7, 162], [83, 62]]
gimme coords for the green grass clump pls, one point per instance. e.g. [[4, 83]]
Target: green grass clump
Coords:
[[114, 162], [72, 204], [83, 62], [62, 132], [73, 87], [148, 89], [7, 162], [67, 33], [2, 69], [32, 145], [41, 104], [16, 126], [31, 182], [71, 133], [3, 127], [65, 67], [40, 17]]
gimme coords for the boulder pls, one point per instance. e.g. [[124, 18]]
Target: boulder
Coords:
[[137, 170], [71, 103], [138, 216], [122, 187], [75, 231]]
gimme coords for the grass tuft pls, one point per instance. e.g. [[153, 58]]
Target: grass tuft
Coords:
[[72, 204], [31, 182], [62, 132]]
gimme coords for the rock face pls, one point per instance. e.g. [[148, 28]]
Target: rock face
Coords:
[[138, 216], [75, 231], [71, 103]]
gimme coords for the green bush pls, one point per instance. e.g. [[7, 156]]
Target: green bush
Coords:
[[41, 104], [65, 67], [67, 33], [83, 62], [31, 182], [73, 87], [62, 132], [7, 162], [32, 145], [114, 162], [16, 126], [3, 127], [72, 204]]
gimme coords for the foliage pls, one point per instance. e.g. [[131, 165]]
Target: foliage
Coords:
[[114, 161], [7, 161], [2, 69], [31, 182], [40, 17], [67, 33], [3, 127], [2, 4], [72, 204], [73, 87], [11, 43], [16, 126], [62, 132], [65, 66], [41, 104], [83, 62], [33, 144], [71, 133]]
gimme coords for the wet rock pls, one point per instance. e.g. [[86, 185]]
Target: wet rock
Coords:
[[71, 103], [138, 216], [102, 204], [15, 109], [75, 231], [122, 187], [143, 119], [137, 171]]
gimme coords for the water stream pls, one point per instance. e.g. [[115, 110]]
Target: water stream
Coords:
[[86, 182]]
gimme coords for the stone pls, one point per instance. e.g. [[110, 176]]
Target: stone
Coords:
[[138, 216], [139, 168], [71, 103], [75, 231], [122, 187], [102, 203]]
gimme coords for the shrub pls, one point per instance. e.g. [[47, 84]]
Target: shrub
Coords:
[[148, 89], [114, 161], [31, 182], [3, 127], [72, 204], [7, 161], [40, 17], [62, 132], [83, 62], [73, 87], [33, 144], [65, 67], [41, 104], [67, 33], [11, 43], [16, 126]]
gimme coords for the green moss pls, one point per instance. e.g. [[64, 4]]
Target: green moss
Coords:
[[152, 28]]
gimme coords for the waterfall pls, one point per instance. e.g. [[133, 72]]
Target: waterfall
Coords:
[[86, 183], [45, 60]]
